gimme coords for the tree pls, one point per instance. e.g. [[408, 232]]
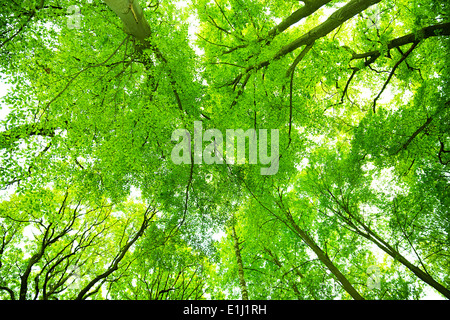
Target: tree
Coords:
[[357, 89]]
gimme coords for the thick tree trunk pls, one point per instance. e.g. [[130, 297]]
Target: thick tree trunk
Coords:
[[308, 9], [132, 17], [334, 21], [240, 265]]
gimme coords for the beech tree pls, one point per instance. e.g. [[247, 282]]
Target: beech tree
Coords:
[[93, 207]]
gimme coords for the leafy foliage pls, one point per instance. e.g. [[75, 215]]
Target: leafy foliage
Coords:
[[94, 208]]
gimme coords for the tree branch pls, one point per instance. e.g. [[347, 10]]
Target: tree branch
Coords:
[[442, 29], [11, 293], [392, 73], [305, 11], [115, 264], [420, 129]]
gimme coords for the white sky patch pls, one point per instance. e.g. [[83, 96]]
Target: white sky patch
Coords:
[[407, 96], [180, 4], [217, 236], [4, 111], [431, 294], [386, 183], [135, 193], [317, 138], [277, 20], [379, 254], [4, 87], [303, 164], [30, 232], [7, 193], [367, 167], [366, 95], [386, 96], [194, 24]]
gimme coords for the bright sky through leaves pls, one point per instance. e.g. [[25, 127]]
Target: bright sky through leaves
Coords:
[[93, 207]]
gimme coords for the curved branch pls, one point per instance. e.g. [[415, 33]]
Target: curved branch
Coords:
[[392, 73], [26, 130], [442, 29], [442, 150], [115, 264], [335, 20], [421, 128], [305, 11], [11, 293]]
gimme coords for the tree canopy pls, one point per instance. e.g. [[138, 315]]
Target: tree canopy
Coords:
[[94, 207]]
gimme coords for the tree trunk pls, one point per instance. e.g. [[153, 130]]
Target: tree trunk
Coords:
[[325, 260], [132, 17], [360, 228], [334, 21], [386, 247], [240, 266], [293, 285], [305, 11]]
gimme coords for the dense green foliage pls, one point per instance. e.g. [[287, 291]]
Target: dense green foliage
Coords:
[[93, 206]]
